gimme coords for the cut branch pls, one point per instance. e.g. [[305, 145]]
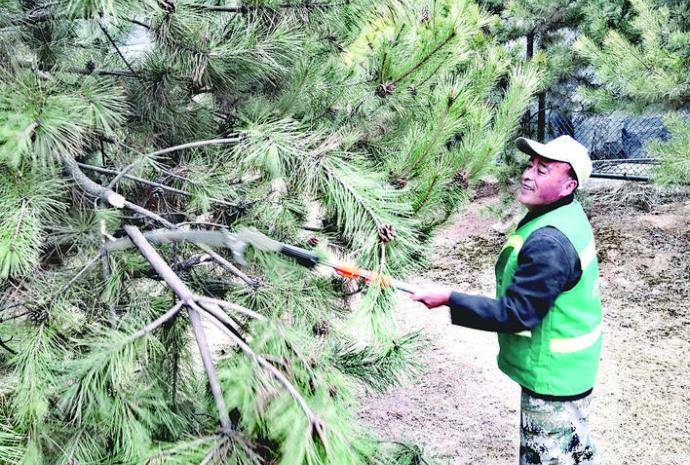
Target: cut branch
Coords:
[[119, 201], [162, 236], [110, 196], [203, 239]]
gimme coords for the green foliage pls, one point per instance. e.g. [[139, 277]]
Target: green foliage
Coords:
[[652, 71], [30, 202], [51, 119], [674, 153], [647, 70]]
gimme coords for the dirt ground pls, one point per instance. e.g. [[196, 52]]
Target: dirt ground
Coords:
[[462, 410]]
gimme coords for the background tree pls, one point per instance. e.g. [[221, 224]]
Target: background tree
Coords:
[[351, 127], [648, 70]]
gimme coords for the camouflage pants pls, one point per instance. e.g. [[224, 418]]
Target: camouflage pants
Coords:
[[555, 432]]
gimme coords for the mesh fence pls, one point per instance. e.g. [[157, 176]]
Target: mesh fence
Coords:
[[617, 142]]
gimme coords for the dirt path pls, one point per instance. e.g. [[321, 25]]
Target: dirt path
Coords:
[[462, 410]]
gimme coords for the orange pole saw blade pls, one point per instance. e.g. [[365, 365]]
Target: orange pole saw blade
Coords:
[[350, 271]]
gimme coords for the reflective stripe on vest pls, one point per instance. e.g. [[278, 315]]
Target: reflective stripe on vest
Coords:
[[515, 242], [587, 255], [568, 345]]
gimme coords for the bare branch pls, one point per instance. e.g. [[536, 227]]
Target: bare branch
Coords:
[[164, 318], [158, 185], [314, 421], [112, 42], [190, 145], [110, 196], [200, 238], [231, 306], [307, 5], [119, 201], [162, 236], [187, 298], [227, 265]]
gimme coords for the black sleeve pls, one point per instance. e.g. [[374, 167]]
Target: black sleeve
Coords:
[[547, 265]]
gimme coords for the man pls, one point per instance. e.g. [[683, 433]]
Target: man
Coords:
[[547, 311]]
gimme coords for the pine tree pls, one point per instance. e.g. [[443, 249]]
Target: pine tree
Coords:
[[648, 69], [349, 127]]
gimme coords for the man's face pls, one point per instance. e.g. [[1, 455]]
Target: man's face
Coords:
[[544, 181]]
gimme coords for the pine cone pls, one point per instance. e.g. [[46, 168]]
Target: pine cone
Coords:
[[412, 90], [425, 15], [321, 328], [90, 66], [313, 241], [385, 89], [38, 315], [386, 233], [461, 178], [399, 182], [167, 5]]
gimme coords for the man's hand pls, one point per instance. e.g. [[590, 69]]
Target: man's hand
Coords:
[[432, 297]]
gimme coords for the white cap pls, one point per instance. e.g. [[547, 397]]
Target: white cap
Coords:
[[563, 148]]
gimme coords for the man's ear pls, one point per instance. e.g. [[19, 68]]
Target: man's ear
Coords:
[[569, 186]]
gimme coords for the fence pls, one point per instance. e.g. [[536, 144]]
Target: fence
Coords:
[[616, 141]]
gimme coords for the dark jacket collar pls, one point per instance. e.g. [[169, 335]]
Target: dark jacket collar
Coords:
[[537, 212]]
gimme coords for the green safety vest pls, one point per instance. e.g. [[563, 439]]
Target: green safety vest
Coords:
[[560, 355]]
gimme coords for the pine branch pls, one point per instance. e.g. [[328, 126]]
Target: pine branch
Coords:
[[363, 204], [426, 58], [307, 5], [194, 308], [4, 345], [110, 196], [231, 306], [187, 298], [117, 49], [62, 289], [434, 139], [119, 201], [155, 324], [195, 144], [100, 72], [157, 185], [138, 23], [314, 422], [163, 236]]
